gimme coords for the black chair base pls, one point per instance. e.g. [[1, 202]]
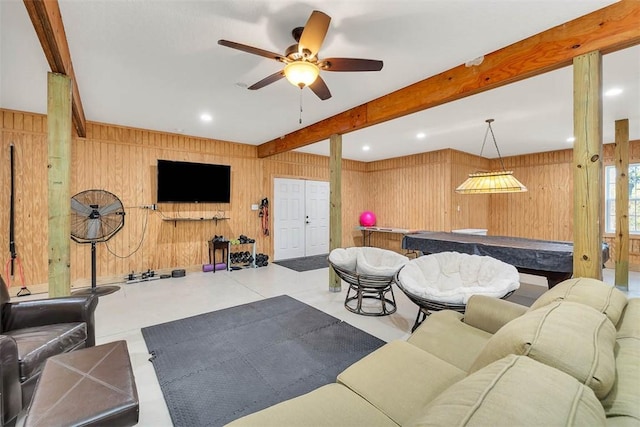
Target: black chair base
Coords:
[[363, 287], [425, 306], [356, 294]]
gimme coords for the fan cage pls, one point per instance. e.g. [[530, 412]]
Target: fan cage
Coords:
[[96, 216]]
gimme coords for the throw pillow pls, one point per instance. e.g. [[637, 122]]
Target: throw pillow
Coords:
[[571, 337]]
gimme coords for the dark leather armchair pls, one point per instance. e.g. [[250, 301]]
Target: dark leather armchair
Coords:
[[32, 331]]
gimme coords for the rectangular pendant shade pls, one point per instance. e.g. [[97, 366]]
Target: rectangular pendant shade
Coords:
[[491, 182]]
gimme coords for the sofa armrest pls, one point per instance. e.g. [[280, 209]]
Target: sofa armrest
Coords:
[[10, 391], [490, 314], [28, 314]]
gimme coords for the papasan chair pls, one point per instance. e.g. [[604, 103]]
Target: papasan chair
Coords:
[[369, 272], [446, 280]]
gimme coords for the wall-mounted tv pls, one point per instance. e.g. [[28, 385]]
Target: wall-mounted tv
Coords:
[[187, 182]]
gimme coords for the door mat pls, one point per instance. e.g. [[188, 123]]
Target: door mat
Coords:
[[314, 262]]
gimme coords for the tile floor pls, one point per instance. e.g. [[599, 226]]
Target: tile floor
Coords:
[[122, 314]]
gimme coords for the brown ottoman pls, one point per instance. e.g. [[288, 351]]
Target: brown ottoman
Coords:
[[89, 387]]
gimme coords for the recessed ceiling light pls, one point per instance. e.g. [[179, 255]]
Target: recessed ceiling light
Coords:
[[205, 117], [421, 135], [366, 148], [571, 139], [614, 91]]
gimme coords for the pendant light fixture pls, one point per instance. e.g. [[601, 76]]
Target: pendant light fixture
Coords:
[[491, 182]]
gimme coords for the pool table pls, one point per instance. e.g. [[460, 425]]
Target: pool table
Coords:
[[551, 259]]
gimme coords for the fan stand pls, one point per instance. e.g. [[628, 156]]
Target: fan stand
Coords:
[[95, 290]]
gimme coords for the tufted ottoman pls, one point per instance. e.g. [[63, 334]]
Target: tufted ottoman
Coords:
[[93, 386]]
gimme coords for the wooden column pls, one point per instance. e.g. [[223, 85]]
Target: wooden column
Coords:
[[622, 204], [587, 162], [59, 121], [335, 204]]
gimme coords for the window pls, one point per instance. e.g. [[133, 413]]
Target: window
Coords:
[[634, 199]]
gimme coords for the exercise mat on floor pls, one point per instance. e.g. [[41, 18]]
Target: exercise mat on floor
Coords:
[[219, 366], [314, 262]]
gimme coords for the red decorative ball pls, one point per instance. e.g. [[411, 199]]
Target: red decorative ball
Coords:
[[367, 219]]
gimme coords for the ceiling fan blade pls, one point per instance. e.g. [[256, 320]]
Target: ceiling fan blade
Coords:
[[320, 88], [350, 64], [267, 80], [314, 33], [251, 49]]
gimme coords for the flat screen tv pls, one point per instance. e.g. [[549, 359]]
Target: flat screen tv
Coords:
[[187, 182]]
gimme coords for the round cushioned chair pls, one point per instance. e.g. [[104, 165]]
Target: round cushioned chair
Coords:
[[446, 280], [369, 272]]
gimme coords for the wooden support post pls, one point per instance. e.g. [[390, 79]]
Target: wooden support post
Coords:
[[335, 204], [622, 204], [587, 162], [59, 122]]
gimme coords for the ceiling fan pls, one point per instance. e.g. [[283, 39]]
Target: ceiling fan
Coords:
[[302, 64]]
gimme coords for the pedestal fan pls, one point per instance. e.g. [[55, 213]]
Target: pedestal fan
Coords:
[[96, 216]]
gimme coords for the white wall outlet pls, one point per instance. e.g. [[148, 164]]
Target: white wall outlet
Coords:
[[255, 207]]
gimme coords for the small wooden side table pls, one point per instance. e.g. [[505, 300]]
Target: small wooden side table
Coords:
[[216, 245]]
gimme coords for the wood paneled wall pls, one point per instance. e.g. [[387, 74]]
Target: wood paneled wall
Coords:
[[469, 210], [309, 166], [123, 161], [546, 210], [415, 192]]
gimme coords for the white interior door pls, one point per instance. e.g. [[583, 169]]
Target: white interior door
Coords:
[[316, 218], [300, 218], [288, 218]]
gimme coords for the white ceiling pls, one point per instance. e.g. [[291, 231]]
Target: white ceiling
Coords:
[[156, 65]]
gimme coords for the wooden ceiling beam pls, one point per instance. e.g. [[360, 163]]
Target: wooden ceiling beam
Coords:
[[606, 30], [47, 21]]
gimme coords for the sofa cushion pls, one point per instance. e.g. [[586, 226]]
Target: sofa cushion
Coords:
[[330, 405], [622, 404], [592, 292], [399, 379], [446, 336], [37, 344], [624, 399], [629, 324], [571, 337], [514, 391], [379, 262], [491, 314]]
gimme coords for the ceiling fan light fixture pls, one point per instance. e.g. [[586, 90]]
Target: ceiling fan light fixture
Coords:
[[301, 73]]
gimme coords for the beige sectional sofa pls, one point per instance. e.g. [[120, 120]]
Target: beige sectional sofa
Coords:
[[573, 358]]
